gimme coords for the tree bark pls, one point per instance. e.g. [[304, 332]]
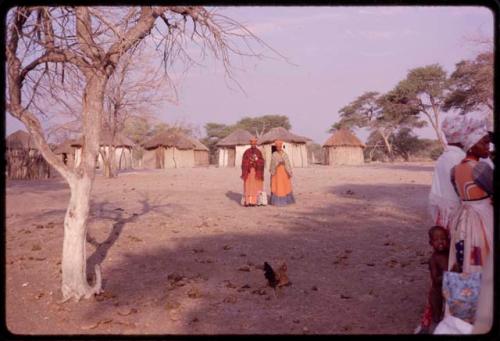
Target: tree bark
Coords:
[[74, 258]]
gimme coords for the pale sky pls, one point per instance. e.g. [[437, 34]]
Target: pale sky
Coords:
[[337, 52]]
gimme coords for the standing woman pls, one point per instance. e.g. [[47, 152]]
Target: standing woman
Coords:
[[281, 174], [252, 173], [471, 246]]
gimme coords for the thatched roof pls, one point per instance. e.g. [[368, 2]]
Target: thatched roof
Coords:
[[19, 140], [343, 137], [239, 137], [280, 133], [65, 147], [169, 139], [119, 140], [197, 144]]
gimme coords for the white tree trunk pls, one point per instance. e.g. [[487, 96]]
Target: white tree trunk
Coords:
[[74, 259]]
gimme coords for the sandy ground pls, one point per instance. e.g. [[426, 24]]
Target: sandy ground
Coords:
[[179, 255]]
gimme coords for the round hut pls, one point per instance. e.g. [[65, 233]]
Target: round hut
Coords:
[[66, 152], [343, 148], [169, 150], [122, 146], [201, 152], [294, 145], [23, 159], [232, 147]]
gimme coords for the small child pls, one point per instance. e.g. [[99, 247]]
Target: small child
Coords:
[[438, 263]]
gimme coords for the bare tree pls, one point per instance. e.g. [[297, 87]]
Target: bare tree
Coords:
[[84, 45], [134, 90]]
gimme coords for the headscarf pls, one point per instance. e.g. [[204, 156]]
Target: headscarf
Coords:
[[452, 127], [473, 131]]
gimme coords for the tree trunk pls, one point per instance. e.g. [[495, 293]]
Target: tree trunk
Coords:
[[74, 260], [74, 280], [388, 146]]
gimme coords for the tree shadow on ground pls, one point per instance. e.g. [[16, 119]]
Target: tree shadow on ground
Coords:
[[36, 186], [118, 216], [353, 269]]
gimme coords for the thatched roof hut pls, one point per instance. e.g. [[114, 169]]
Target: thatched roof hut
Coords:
[[239, 137], [66, 151], [19, 140], [294, 145], [106, 139], [122, 147], [201, 153], [24, 161], [232, 147], [343, 148], [171, 150]]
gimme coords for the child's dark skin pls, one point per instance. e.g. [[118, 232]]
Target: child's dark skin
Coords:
[[437, 265]]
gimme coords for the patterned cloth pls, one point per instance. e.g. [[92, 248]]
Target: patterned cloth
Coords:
[[473, 130], [452, 127], [461, 291], [252, 158]]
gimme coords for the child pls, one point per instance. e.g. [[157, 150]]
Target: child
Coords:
[[438, 263]]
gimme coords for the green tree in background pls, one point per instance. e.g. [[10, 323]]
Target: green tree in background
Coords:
[[254, 125], [423, 89], [258, 126], [381, 114], [471, 85]]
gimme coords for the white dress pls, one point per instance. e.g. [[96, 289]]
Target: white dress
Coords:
[[443, 200]]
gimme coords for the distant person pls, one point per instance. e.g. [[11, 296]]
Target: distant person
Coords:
[[252, 173], [471, 244], [281, 174]]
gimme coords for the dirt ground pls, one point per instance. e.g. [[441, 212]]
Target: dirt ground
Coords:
[[179, 255]]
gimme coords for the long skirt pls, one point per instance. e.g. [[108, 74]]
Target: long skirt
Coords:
[[281, 188], [472, 246], [251, 188]]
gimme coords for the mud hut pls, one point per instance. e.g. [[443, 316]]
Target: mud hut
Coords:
[[294, 145], [23, 160], [169, 150], [232, 147], [343, 148], [201, 153], [66, 152], [122, 148]]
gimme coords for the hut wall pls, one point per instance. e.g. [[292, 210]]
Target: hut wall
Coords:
[[201, 158], [177, 158], [26, 165], [239, 155], [78, 156], [297, 153], [123, 158], [149, 158], [344, 155], [222, 157]]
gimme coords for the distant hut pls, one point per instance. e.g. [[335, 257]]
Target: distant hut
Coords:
[[343, 148], [201, 153], [294, 145], [67, 152], [169, 150], [23, 160], [232, 147], [123, 150]]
